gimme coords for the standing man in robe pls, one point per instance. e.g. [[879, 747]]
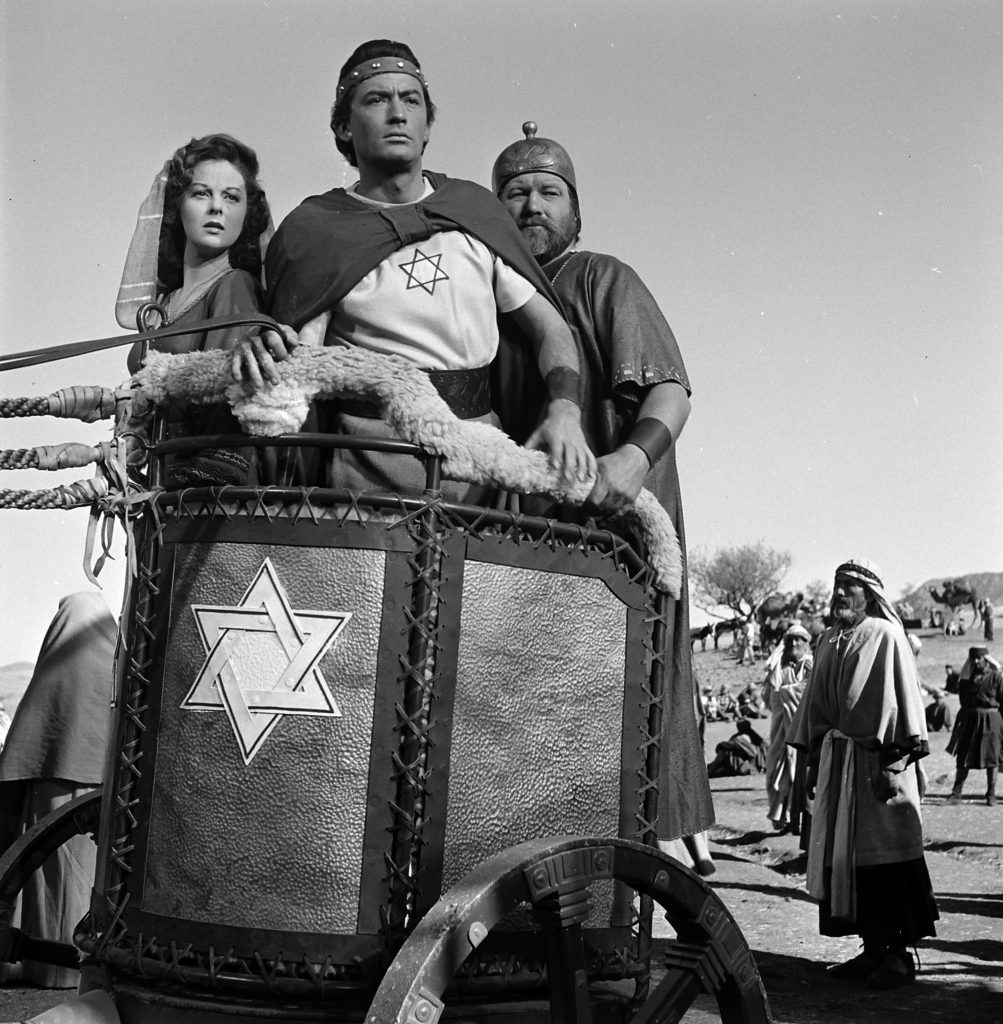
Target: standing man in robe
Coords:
[[409, 263], [786, 676], [861, 722], [635, 403]]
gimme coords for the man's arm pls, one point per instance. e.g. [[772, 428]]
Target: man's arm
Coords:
[[560, 434], [621, 474]]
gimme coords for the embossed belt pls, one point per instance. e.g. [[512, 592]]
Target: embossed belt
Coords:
[[466, 392]]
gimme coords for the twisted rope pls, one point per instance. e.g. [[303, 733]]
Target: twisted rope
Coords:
[[38, 406], [19, 458], [68, 455], [88, 403], [83, 492]]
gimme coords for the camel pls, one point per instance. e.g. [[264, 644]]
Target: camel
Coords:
[[774, 614], [956, 594]]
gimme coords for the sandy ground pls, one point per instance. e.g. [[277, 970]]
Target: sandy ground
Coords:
[[760, 878]]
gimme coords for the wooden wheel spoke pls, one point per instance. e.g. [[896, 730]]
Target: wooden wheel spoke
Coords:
[[709, 956], [27, 853], [671, 998]]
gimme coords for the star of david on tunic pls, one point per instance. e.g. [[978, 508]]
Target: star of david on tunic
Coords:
[[424, 271], [262, 661]]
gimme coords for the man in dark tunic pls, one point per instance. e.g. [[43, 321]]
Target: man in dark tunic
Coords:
[[977, 740], [635, 403]]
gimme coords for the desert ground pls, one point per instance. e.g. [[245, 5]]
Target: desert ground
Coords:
[[760, 877]]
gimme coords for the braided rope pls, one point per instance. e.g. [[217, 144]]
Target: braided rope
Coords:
[[83, 492], [88, 403], [68, 455], [38, 406], [19, 458]]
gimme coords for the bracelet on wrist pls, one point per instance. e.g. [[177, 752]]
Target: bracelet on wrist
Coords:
[[563, 382], [652, 437]]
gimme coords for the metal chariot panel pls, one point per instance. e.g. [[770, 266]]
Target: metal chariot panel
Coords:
[[538, 712], [262, 768]]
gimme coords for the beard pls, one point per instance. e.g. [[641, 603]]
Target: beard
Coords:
[[547, 240]]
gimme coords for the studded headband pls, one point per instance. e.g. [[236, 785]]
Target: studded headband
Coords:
[[380, 66]]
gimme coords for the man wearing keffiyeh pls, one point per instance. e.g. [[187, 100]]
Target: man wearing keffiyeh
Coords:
[[861, 722]]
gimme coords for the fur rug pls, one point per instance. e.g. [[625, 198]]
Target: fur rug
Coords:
[[472, 452]]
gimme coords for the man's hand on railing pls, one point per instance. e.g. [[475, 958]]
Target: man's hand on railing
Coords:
[[560, 435], [620, 476], [253, 359]]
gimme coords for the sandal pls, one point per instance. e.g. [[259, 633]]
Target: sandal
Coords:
[[896, 970], [862, 966]]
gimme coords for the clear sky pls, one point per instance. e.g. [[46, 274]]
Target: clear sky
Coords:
[[812, 190]]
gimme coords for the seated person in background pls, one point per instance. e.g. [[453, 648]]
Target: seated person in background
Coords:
[[197, 249], [727, 704], [407, 262], [938, 714], [741, 754], [750, 703], [711, 709], [952, 680]]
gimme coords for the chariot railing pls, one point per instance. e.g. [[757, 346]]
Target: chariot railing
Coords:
[[376, 752]]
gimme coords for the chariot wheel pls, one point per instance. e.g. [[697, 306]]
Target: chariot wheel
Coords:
[[28, 852], [709, 955]]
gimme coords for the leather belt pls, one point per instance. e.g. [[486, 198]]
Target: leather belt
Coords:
[[466, 392]]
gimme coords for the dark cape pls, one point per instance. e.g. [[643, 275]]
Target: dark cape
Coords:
[[627, 347], [330, 242]]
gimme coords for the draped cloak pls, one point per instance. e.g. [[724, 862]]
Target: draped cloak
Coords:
[[784, 686], [628, 347], [330, 242], [862, 712], [55, 752]]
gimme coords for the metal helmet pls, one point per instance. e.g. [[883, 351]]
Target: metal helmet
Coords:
[[531, 155]]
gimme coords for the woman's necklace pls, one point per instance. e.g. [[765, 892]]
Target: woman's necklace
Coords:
[[183, 299]]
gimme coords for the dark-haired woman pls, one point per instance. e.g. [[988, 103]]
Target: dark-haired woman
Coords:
[[197, 251]]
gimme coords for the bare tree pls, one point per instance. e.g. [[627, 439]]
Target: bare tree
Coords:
[[819, 591], [738, 578]]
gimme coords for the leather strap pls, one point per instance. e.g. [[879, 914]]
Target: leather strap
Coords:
[[466, 392]]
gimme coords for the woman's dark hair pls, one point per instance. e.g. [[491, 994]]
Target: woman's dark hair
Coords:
[[245, 253], [342, 109]]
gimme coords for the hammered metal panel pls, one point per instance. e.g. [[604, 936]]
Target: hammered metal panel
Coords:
[[275, 843], [538, 715]]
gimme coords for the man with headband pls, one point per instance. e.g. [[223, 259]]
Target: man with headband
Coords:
[[409, 263], [861, 722], [635, 402], [977, 740]]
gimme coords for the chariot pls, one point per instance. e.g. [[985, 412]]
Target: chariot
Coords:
[[381, 757]]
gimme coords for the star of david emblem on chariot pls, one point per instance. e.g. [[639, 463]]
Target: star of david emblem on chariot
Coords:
[[262, 661]]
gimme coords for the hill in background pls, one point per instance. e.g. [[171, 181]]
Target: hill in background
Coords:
[[988, 584]]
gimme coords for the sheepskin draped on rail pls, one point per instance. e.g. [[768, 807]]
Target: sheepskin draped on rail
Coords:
[[472, 452]]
